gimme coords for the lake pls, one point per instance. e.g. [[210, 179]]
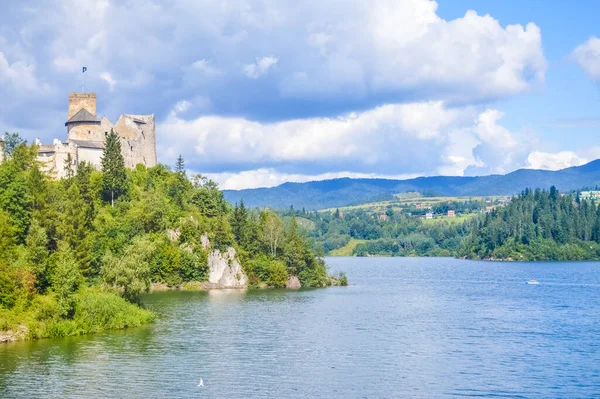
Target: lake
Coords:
[[405, 327]]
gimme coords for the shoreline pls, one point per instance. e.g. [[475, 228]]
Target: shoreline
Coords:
[[472, 259]]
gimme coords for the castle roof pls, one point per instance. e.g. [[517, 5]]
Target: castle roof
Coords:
[[83, 116], [88, 144]]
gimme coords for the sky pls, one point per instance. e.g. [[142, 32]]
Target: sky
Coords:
[[257, 93]]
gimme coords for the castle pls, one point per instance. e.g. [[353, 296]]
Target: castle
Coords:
[[86, 135]]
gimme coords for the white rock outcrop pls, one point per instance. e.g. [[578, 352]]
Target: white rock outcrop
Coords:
[[225, 271], [293, 283]]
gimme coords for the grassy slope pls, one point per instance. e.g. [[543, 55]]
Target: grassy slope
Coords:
[[455, 220], [347, 249], [404, 200]]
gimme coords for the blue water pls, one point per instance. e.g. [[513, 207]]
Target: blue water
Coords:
[[415, 328]]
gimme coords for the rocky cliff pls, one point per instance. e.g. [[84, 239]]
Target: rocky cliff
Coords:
[[225, 270]]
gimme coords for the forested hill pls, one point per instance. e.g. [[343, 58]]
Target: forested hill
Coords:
[[536, 225], [346, 191]]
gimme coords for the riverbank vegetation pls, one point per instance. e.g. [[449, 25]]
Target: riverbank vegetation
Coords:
[[77, 254]]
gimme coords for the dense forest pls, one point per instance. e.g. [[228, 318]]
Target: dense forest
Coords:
[[535, 225], [76, 255]]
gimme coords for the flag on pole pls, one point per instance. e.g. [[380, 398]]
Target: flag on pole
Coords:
[[84, 69]]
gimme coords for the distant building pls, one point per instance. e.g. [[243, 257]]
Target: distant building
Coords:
[[592, 195], [451, 213], [490, 209], [419, 205], [383, 217], [429, 215]]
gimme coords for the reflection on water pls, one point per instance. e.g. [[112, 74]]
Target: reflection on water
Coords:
[[416, 328]]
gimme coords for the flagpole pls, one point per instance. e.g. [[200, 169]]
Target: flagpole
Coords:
[[83, 69]]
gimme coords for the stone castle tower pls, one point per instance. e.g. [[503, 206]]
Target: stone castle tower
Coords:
[[86, 135]]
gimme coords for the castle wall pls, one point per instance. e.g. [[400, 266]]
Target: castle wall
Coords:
[[138, 139], [53, 158], [91, 155], [77, 101], [85, 131]]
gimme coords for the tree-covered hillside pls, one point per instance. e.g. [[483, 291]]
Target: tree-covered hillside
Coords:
[[537, 225], [77, 254]]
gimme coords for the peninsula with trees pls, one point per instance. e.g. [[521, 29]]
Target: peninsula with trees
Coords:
[[77, 254]]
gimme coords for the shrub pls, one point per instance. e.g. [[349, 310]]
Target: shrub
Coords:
[[278, 275]]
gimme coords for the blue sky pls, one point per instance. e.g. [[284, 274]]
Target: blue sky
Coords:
[[259, 92]]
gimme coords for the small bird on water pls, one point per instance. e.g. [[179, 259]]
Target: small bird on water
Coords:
[[201, 383]]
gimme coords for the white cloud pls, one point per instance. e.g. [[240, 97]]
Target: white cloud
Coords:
[[587, 55], [554, 161], [109, 80], [182, 106], [269, 177], [425, 138], [261, 67], [20, 75], [206, 68], [366, 137]]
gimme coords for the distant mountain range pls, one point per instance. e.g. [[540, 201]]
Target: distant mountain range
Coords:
[[347, 191]]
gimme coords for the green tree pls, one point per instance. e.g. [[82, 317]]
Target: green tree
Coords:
[[65, 279], [180, 165], [179, 185], [278, 275], [207, 197], [15, 195], [68, 168], [130, 273], [240, 224], [73, 228], [11, 142], [37, 254], [272, 232], [7, 236], [294, 249], [114, 175], [83, 179]]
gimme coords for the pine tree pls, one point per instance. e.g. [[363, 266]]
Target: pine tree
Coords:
[[180, 185], [293, 249], [114, 176], [240, 225], [180, 165], [37, 253], [83, 181], [68, 168], [73, 228]]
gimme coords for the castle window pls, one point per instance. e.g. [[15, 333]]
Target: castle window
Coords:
[[89, 132], [105, 134], [131, 147]]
